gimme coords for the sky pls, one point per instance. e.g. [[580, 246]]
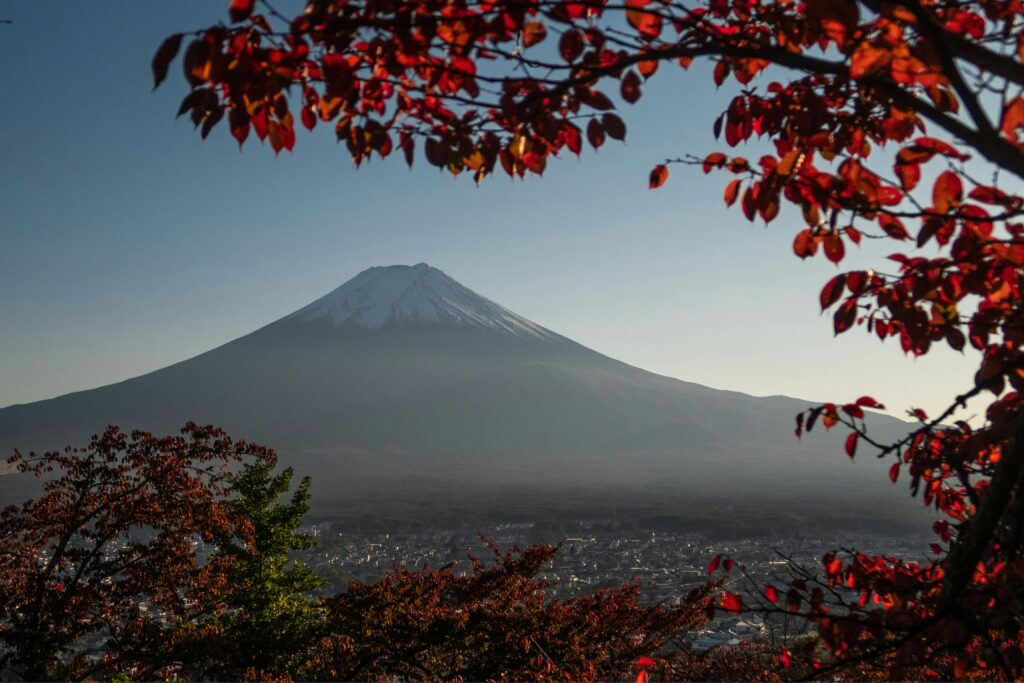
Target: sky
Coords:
[[127, 243]]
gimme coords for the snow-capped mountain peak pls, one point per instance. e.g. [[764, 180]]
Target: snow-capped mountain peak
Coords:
[[414, 294]]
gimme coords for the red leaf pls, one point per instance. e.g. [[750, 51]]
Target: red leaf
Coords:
[[713, 160], [851, 443], [573, 139], [595, 133], [722, 70], [914, 154], [646, 22], [239, 122], [854, 410], [939, 147], [648, 67], [645, 662], [909, 175], [288, 132], [771, 594], [165, 54], [239, 10], [408, 146], [834, 249], [956, 340], [845, 316], [196, 62], [1013, 118], [614, 126], [894, 472], [731, 602], [212, 118], [659, 174], [888, 195], [533, 33], [855, 281], [947, 192], [570, 45], [436, 152], [749, 202], [870, 56], [630, 89], [732, 191], [832, 290], [893, 227], [988, 194], [260, 123], [804, 244], [812, 417], [599, 101], [714, 564], [308, 118], [868, 402], [716, 127], [928, 230]]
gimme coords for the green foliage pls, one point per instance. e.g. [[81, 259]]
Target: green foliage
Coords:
[[267, 613]]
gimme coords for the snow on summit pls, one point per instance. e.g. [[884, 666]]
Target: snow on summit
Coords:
[[417, 294]]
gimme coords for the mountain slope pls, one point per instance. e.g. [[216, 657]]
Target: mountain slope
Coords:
[[403, 377]]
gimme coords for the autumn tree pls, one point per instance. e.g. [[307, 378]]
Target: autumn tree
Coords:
[[494, 622], [98, 570], [899, 121]]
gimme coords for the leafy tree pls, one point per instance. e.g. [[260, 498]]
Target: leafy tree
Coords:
[[97, 571], [899, 121], [267, 612], [493, 623]]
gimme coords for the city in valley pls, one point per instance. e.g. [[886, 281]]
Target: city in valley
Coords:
[[598, 554]]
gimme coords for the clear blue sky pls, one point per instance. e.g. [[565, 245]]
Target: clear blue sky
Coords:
[[127, 243]]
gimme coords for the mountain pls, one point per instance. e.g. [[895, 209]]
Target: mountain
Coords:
[[402, 386]]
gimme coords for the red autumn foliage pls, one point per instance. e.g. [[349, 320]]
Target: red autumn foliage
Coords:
[[114, 529], [899, 121], [493, 623]]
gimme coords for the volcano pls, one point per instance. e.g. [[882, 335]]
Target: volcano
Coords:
[[404, 383]]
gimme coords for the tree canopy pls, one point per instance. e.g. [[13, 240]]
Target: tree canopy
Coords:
[[97, 571], [265, 615], [894, 121]]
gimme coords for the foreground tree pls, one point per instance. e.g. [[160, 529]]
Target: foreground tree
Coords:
[[898, 120], [266, 615], [493, 623], [98, 570]]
